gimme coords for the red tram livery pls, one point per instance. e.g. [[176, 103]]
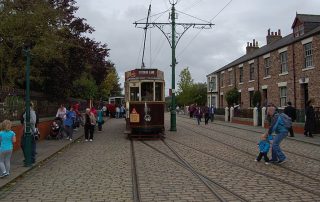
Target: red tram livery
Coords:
[[144, 97]]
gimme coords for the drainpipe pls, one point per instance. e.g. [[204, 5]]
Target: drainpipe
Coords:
[[258, 75], [294, 77]]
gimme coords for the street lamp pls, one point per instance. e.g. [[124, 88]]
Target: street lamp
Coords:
[[27, 132]]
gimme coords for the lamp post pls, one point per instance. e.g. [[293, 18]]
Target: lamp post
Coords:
[[27, 132]]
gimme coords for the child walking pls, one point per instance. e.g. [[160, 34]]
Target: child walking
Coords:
[[264, 146], [7, 138]]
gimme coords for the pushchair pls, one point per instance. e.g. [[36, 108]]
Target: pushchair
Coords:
[[56, 131]]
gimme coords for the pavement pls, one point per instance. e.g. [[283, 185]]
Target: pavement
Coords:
[[49, 148]]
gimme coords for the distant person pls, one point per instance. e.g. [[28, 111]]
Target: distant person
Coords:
[[89, 124], [291, 112], [7, 138], [211, 113], [198, 114], [206, 115], [68, 123], [264, 146], [61, 113], [310, 119], [100, 120]]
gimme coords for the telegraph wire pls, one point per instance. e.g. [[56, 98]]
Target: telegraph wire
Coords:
[[193, 5], [185, 48], [193, 16]]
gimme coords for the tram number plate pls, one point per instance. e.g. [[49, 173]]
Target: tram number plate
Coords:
[[134, 118]]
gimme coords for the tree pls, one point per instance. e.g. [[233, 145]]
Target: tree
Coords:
[[85, 87], [186, 80], [110, 86], [232, 96]]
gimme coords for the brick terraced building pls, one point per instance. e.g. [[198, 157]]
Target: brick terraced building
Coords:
[[285, 69]]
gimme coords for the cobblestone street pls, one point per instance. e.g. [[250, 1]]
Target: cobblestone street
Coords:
[[212, 162]]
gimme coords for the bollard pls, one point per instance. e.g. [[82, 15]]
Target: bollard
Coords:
[[226, 114], [231, 113], [255, 116], [263, 114]]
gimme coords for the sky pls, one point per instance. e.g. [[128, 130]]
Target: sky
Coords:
[[203, 51]]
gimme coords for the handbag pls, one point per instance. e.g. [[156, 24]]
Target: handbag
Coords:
[[36, 134]]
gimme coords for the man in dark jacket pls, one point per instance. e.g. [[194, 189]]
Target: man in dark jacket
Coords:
[[291, 112], [310, 119]]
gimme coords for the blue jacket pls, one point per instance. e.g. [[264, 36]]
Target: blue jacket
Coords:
[[264, 146], [70, 117], [277, 125]]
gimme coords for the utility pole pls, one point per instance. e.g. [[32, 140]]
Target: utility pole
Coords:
[[175, 38], [27, 130]]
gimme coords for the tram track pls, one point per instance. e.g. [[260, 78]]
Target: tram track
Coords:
[[135, 180], [209, 183], [246, 168], [250, 154], [245, 139]]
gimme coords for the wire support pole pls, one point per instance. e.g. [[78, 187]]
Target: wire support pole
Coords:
[[173, 124]]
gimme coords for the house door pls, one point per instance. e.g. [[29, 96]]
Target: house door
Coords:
[[305, 93]]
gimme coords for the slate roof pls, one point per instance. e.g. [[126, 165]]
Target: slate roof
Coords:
[[285, 41]]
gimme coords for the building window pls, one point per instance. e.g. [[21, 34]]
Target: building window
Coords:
[[241, 74], [251, 72], [213, 84], [251, 98], [308, 55], [299, 30], [222, 80], [230, 78], [283, 96], [266, 66], [284, 62]]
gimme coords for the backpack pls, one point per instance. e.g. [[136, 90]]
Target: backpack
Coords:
[[287, 122]]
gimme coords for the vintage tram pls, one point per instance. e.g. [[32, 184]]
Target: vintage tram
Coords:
[[145, 104]]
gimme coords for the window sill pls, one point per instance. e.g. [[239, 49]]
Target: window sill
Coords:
[[222, 86], [251, 81], [230, 85], [284, 73], [240, 83], [267, 77], [307, 68]]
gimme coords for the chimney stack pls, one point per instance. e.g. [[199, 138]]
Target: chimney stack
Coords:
[[251, 47], [274, 36]]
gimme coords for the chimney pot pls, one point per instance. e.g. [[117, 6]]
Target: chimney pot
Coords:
[[247, 44], [275, 33], [254, 43], [268, 32], [257, 44], [271, 33], [279, 32], [250, 44]]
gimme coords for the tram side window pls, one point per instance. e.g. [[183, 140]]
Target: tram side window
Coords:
[[147, 91], [134, 93], [159, 91]]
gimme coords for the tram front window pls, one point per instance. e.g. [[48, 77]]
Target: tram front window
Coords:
[[158, 93], [134, 93], [147, 91]]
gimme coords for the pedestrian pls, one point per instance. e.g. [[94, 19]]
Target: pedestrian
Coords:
[[69, 122], [100, 120], [7, 138], [310, 119], [89, 124], [198, 114], [117, 112], [291, 112], [61, 112], [104, 110], [122, 111], [264, 146], [277, 126], [33, 122], [206, 115], [94, 111], [211, 113]]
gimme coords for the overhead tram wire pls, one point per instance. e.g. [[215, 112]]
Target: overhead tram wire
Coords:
[[145, 37], [185, 48], [193, 5]]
